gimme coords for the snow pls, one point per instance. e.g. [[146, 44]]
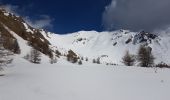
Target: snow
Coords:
[[6, 14], [42, 39], [23, 44], [27, 28], [94, 44], [25, 49], [65, 81]]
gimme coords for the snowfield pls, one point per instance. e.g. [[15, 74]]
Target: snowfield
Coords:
[[65, 81]]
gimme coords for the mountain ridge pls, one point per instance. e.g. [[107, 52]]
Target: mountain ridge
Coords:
[[112, 45], [108, 46]]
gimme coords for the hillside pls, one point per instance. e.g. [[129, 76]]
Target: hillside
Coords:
[[110, 47], [10, 23]]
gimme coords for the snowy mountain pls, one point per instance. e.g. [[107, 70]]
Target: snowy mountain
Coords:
[[109, 47]]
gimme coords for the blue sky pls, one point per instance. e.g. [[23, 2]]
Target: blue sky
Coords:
[[65, 16]]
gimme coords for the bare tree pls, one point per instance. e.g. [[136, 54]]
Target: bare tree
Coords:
[[128, 59], [145, 57], [35, 56]]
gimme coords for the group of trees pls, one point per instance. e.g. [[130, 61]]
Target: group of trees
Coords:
[[5, 56], [144, 57], [163, 65], [97, 61], [74, 58], [34, 56]]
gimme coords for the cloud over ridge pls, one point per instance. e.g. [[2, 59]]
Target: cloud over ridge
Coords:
[[137, 15], [41, 21]]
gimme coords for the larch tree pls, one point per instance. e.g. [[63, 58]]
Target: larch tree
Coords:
[[128, 59], [35, 56], [145, 56]]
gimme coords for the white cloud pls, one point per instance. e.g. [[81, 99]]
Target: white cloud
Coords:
[[112, 5], [42, 21], [10, 8]]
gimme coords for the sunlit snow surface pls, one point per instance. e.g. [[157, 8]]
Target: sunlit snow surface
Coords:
[[65, 81]]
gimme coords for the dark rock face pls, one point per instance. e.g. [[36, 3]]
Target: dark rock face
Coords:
[[144, 37], [128, 41]]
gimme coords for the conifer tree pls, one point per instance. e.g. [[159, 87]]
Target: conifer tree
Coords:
[[128, 59], [145, 57], [35, 56]]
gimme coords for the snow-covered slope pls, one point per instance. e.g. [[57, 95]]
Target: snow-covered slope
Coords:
[[12, 26], [110, 46]]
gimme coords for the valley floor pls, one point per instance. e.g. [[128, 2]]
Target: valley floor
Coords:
[[25, 81]]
